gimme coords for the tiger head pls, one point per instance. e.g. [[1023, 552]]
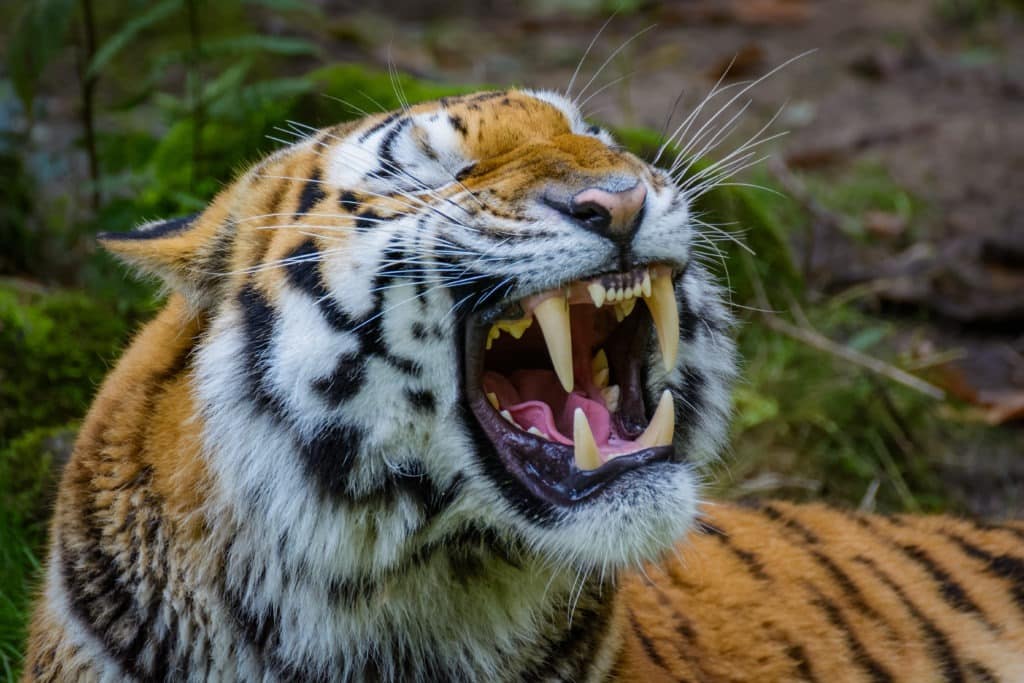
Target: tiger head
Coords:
[[475, 313]]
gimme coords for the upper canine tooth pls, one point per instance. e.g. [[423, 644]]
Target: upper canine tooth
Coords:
[[597, 293], [665, 312], [584, 447], [553, 317], [662, 426], [645, 285]]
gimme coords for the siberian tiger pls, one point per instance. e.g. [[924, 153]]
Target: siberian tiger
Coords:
[[428, 401]]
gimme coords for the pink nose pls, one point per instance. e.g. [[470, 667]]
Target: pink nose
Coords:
[[613, 214]]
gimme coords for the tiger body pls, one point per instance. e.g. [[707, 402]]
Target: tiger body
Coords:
[[293, 474]]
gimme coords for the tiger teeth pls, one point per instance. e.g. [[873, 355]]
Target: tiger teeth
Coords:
[[662, 426], [552, 315], [584, 446], [597, 293], [492, 398], [665, 313]]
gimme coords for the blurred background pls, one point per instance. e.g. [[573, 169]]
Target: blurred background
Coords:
[[876, 259]]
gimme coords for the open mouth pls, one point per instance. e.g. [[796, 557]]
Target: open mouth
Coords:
[[555, 381]]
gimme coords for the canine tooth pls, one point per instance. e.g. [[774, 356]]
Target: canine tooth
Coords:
[[665, 312], [624, 308], [611, 398], [583, 445], [659, 432], [492, 398], [597, 293], [535, 431], [601, 378], [553, 317], [645, 285]]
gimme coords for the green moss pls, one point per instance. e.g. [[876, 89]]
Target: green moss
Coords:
[[55, 348]]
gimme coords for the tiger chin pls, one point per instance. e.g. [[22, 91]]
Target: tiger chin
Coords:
[[428, 401]]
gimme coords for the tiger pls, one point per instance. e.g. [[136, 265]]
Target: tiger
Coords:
[[431, 398]]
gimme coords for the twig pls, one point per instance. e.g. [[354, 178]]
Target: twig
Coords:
[[822, 343]]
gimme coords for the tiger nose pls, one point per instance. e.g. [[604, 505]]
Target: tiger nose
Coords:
[[615, 215]]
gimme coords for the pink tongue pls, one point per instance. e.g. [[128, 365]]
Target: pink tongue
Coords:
[[536, 399]]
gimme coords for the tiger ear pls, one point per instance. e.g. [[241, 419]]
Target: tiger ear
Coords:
[[186, 253]]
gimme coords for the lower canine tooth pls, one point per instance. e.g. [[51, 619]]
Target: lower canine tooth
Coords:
[[585, 451], [624, 308], [492, 398], [663, 425], [665, 313], [552, 315]]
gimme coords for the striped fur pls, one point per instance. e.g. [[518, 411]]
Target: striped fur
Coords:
[[281, 481]]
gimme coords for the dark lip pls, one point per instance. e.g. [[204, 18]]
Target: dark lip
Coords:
[[546, 468]]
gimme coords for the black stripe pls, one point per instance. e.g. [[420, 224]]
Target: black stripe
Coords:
[[647, 644], [798, 656], [1004, 566], [303, 271], [365, 135], [258, 325], [167, 228], [849, 588], [423, 400], [689, 401], [311, 195], [570, 658], [329, 457], [951, 591], [860, 655], [980, 674], [348, 201], [367, 220], [389, 166], [747, 557], [345, 380], [458, 124], [775, 515], [942, 650]]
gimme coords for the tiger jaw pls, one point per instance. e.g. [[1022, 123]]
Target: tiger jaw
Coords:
[[562, 400]]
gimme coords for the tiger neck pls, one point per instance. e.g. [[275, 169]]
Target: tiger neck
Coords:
[[464, 607]]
